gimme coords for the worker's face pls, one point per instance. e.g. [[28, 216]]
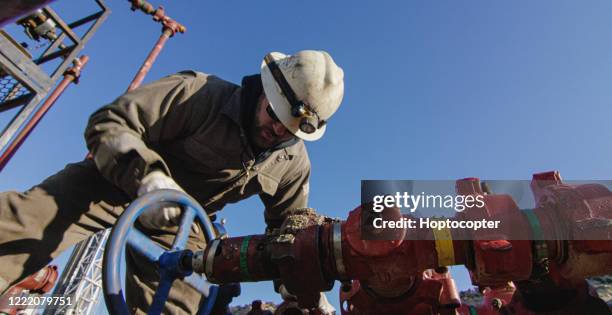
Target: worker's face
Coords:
[[267, 130]]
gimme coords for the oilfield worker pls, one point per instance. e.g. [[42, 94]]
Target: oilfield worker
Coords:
[[218, 142]]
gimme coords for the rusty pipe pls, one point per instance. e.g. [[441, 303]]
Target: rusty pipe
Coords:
[[159, 15], [169, 28], [146, 66], [312, 252], [72, 74]]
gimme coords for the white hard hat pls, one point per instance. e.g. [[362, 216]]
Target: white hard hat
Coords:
[[310, 94]]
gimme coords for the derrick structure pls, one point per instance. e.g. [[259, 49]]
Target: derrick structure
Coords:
[[82, 277]]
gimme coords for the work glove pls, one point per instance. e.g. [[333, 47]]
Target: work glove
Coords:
[[324, 307], [163, 214]]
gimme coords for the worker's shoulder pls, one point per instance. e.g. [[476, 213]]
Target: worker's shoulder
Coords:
[[300, 148], [193, 77], [299, 154]]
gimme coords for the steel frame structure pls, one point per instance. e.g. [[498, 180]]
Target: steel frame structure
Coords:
[[82, 278], [27, 83]]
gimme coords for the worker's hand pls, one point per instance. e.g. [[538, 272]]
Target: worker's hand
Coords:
[[288, 297], [324, 307], [163, 214], [157, 180]]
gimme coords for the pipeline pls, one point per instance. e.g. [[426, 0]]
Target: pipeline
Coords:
[[404, 276]]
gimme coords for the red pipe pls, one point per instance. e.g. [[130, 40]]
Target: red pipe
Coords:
[[311, 252], [169, 28], [71, 75], [146, 66]]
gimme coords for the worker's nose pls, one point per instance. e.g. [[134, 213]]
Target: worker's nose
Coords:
[[279, 129]]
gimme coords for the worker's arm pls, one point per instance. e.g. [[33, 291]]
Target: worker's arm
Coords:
[[292, 193], [119, 134]]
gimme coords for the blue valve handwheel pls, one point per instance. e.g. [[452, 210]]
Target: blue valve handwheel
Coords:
[[170, 262]]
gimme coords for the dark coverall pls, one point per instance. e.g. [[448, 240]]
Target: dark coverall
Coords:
[[189, 126]]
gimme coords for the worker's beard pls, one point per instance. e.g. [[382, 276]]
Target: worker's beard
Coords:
[[261, 136]]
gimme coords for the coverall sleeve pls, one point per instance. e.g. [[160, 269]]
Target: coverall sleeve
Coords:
[[119, 134], [291, 194]]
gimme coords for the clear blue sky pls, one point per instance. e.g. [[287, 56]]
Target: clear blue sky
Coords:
[[434, 89]]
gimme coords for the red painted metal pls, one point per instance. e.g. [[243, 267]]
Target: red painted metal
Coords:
[[40, 283], [431, 293], [258, 265], [372, 248], [397, 277], [422, 299], [71, 75], [504, 253]]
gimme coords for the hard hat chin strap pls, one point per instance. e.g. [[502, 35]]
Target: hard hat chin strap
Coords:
[[309, 119]]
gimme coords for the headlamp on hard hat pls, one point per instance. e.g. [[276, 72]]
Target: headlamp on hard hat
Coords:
[[309, 119]]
